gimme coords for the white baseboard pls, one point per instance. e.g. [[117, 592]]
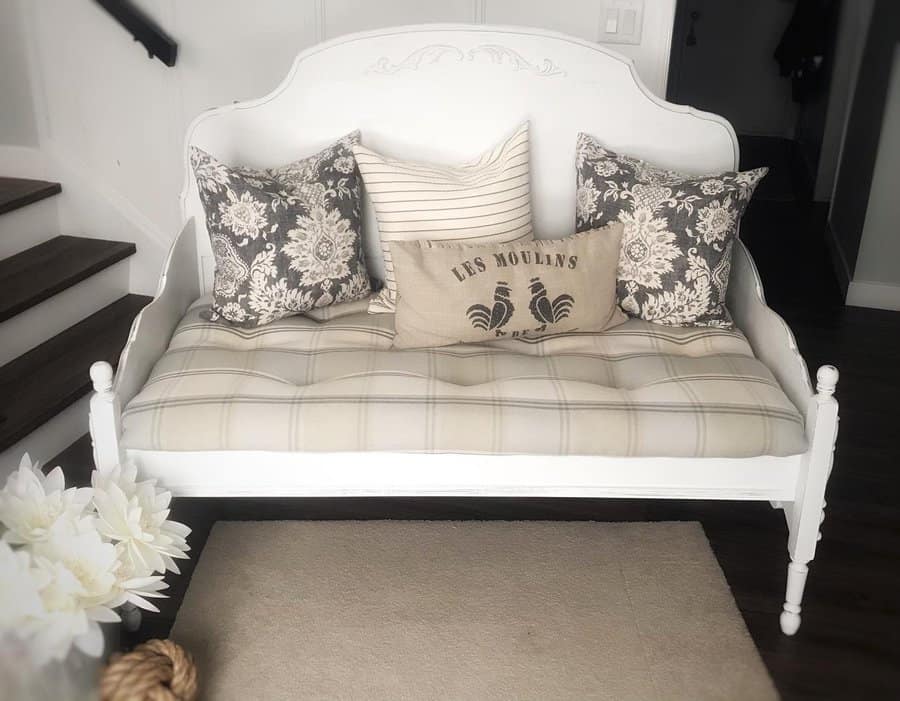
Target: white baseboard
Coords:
[[22, 162], [876, 295], [838, 259]]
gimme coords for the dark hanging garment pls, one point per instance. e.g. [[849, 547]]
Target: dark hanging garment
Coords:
[[803, 46]]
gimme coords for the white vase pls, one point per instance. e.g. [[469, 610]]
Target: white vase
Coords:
[[73, 678]]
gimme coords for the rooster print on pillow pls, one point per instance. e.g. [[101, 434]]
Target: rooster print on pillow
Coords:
[[546, 311], [679, 231], [495, 317], [498, 315], [285, 240], [450, 292]]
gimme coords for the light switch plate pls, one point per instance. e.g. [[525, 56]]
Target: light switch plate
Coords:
[[629, 18]]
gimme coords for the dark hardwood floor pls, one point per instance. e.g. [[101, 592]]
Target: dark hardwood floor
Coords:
[[848, 646]]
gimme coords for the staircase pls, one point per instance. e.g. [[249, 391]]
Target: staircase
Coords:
[[63, 305]]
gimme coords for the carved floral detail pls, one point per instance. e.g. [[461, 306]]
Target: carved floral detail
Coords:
[[497, 54]]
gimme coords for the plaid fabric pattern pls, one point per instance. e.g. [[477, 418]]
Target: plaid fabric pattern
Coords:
[[299, 384]]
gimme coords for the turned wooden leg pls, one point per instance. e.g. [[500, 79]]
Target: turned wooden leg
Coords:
[[790, 616], [105, 418], [806, 513]]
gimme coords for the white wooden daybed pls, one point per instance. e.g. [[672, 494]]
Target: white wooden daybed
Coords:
[[444, 93]]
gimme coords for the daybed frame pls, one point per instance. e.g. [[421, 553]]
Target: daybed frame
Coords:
[[439, 92]]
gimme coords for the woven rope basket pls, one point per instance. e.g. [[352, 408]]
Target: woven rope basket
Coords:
[[157, 670]]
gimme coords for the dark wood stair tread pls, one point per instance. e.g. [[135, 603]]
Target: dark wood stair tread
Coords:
[[77, 462], [18, 192], [42, 271], [38, 385]]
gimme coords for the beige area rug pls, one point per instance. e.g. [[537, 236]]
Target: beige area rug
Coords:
[[466, 610]]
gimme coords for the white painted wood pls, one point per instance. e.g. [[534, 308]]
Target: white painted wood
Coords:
[[152, 328], [807, 514], [147, 341], [796, 581], [445, 93], [28, 226], [226, 473], [105, 418], [809, 500], [42, 321], [770, 337]]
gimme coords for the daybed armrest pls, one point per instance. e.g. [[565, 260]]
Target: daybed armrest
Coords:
[[770, 337], [148, 339], [152, 329]]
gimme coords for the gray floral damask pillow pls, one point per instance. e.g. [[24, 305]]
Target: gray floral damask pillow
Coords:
[[285, 240], [679, 231]]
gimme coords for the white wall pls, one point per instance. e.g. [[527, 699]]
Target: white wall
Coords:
[[18, 126], [876, 279], [118, 119], [581, 18]]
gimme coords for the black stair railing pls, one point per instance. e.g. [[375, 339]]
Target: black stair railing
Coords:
[[158, 44]]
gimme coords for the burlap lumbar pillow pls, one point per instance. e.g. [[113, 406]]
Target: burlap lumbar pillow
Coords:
[[454, 293]]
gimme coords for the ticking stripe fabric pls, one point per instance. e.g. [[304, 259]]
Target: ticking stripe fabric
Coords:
[[303, 385], [488, 201]]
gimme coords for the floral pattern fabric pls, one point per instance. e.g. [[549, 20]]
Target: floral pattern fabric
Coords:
[[675, 257], [285, 240]]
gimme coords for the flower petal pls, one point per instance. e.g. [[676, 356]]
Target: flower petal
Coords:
[[91, 641]]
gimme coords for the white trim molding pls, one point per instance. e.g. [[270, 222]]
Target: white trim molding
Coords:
[[876, 295], [480, 11], [321, 30], [838, 259], [23, 161]]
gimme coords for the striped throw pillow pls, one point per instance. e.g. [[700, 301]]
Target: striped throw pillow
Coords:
[[487, 201]]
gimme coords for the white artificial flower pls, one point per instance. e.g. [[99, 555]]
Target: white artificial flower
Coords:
[[20, 599], [92, 562], [136, 587], [65, 621], [80, 559], [32, 504], [134, 515]]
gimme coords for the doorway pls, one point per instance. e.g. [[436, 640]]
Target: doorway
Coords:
[[766, 67]]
